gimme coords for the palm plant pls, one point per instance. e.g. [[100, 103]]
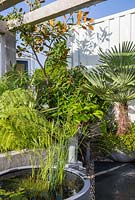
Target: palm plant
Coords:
[[114, 80]]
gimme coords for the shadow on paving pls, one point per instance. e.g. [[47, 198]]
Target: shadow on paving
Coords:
[[115, 185]]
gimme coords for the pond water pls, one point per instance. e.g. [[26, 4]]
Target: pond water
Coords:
[[11, 187], [115, 185]]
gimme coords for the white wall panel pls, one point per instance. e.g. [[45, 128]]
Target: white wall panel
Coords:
[[114, 27], [108, 31], [125, 28], [133, 26]]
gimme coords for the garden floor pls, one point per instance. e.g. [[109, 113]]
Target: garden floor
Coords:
[[116, 184]]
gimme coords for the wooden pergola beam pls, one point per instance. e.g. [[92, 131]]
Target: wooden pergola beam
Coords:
[[53, 10], [4, 4]]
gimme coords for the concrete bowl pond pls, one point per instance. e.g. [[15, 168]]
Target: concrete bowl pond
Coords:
[[15, 161]]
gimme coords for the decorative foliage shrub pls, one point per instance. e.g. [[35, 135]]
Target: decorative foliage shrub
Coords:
[[111, 142]]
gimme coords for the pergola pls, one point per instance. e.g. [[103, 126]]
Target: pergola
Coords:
[[47, 12]]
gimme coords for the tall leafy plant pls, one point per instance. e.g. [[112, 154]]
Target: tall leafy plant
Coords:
[[114, 80], [68, 95]]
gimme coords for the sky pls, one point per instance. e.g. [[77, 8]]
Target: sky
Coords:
[[110, 7], [102, 9]]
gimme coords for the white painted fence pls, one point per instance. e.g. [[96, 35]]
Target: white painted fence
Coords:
[[108, 31]]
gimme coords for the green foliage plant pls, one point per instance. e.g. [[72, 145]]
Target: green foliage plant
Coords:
[[110, 142], [20, 123], [68, 95], [16, 79]]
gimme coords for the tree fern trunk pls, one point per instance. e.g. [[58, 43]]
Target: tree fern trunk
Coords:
[[124, 124]]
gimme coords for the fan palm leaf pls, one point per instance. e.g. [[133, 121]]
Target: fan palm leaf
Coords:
[[124, 55]]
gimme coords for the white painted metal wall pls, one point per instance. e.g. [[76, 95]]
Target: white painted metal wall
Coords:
[[108, 31]]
